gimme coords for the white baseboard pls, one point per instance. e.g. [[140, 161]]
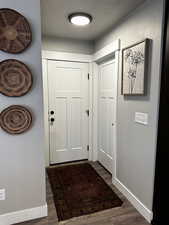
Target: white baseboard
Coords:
[[143, 210], [24, 215]]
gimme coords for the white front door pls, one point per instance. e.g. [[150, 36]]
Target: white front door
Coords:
[[68, 118], [107, 114]]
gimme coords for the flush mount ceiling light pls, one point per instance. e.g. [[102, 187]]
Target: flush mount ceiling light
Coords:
[[80, 19]]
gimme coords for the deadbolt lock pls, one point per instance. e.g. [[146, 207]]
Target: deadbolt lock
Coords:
[[52, 120]]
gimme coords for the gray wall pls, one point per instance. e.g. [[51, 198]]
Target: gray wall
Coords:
[[136, 147], [67, 45], [22, 171]]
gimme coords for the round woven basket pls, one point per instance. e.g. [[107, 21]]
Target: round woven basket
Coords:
[[15, 119], [15, 78], [15, 31]]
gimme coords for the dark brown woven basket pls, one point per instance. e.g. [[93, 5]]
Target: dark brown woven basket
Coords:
[[15, 31], [15, 78], [15, 119]]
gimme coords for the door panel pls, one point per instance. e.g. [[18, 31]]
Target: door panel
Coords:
[[68, 98], [60, 125], [76, 124], [107, 112]]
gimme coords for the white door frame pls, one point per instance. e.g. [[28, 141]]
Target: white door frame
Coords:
[[111, 50], [61, 56]]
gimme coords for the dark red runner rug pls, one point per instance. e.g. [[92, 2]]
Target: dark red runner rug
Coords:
[[79, 190]]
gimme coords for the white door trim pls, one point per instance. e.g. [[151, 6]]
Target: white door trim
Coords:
[[66, 56], [93, 60], [107, 51], [46, 110]]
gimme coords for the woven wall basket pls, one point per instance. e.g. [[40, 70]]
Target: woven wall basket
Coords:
[[15, 31], [15, 78], [15, 119]]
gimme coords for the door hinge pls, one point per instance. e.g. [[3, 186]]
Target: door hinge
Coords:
[[87, 147], [87, 111], [88, 76]]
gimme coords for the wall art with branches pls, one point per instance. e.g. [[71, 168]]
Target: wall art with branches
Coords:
[[134, 63]]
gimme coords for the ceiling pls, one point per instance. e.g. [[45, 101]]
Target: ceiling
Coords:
[[106, 13]]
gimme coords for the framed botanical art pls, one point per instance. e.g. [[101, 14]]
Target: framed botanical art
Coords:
[[134, 68]]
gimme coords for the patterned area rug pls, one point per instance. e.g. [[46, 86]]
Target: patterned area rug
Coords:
[[78, 190]]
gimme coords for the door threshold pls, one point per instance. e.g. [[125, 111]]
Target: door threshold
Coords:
[[69, 163]]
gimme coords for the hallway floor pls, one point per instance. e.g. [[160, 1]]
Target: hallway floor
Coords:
[[125, 215]]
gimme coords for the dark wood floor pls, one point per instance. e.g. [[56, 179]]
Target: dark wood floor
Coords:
[[125, 215]]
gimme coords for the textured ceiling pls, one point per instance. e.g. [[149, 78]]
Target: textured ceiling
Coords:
[[106, 13]]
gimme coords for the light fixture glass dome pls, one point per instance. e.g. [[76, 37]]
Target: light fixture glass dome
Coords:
[[80, 19]]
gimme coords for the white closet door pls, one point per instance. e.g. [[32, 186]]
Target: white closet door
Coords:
[[68, 102], [107, 112]]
